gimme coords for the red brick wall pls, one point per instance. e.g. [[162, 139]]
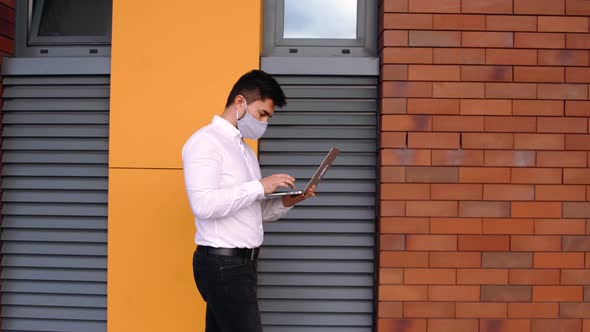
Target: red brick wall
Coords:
[[484, 166]]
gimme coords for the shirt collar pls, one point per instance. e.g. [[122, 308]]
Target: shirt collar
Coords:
[[226, 127]]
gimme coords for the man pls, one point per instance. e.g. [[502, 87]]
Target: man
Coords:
[[226, 193]]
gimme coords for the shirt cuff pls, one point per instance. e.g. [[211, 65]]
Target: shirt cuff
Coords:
[[255, 187], [279, 207]]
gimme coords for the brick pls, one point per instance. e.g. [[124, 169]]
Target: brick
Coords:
[[484, 175], [487, 39], [393, 106], [434, 73], [512, 124], [406, 122], [394, 72], [392, 174], [576, 243], [533, 310], [486, 107], [578, 41], [405, 325], [455, 260], [435, 6], [511, 57], [459, 22], [403, 259], [509, 325], [559, 260], [392, 208], [486, 73], [560, 226], [395, 6], [562, 125], [389, 310], [458, 123], [556, 7], [429, 310], [404, 55], [455, 325], [536, 209], [511, 90], [487, 7], [458, 157], [431, 208], [433, 140], [453, 192], [538, 107], [562, 91], [405, 191], [561, 159], [392, 242], [537, 175], [407, 21], [453, 293], [433, 106], [403, 293], [484, 243], [577, 108], [391, 276], [556, 325], [435, 38], [416, 242], [575, 277], [395, 38], [432, 174], [459, 56], [576, 176], [535, 243], [563, 58], [508, 226], [482, 276], [577, 75], [457, 90], [505, 293], [539, 40], [408, 157], [484, 209], [560, 193], [534, 277], [393, 140], [401, 225], [508, 192], [578, 7], [406, 89], [557, 294], [430, 276], [539, 141], [482, 310], [539, 74], [487, 141], [511, 23], [507, 260], [509, 158], [563, 24], [455, 226]]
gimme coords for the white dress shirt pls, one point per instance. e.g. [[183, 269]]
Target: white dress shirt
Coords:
[[221, 175]]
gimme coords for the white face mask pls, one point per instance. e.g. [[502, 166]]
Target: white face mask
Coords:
[[249, 126]]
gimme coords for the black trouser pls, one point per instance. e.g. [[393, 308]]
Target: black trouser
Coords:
[[228, 285]]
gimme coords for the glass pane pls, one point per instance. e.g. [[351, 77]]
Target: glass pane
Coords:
[[330, 19], [76, 18]]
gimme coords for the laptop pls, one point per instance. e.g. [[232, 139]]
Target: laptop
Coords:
[[315, 179]]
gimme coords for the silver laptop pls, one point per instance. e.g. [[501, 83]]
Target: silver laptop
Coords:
[[315, 179]]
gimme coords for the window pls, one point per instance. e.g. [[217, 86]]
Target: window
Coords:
[[320, 28]]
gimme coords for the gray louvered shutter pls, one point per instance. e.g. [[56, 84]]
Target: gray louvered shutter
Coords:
[[316, 269], [54, 201]]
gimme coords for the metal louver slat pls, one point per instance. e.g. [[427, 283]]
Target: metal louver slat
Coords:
[[316, 266], [54, 202]]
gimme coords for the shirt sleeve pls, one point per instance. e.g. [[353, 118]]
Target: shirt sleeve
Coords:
[[202, 172], [273, 209]]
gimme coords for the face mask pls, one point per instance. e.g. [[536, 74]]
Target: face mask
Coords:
[[249, 126]]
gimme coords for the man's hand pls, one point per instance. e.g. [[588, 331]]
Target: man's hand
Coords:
[[275, 181], [289, 201]]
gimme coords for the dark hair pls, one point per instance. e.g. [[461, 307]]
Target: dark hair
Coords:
[[257, 85]]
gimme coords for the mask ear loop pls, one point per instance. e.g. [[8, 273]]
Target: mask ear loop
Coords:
[[245, 113]]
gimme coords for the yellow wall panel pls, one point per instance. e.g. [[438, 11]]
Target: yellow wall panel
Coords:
[[151, 231]]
